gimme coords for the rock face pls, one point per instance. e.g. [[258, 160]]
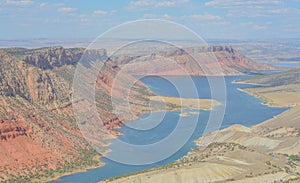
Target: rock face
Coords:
[[49, 58], [52, 57], [29, 74], [31, 83]]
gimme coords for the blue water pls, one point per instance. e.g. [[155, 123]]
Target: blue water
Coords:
[[241, 109]]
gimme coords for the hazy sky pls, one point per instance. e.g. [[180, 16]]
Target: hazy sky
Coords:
[[240, 19]]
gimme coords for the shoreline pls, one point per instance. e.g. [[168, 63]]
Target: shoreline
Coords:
[[97, 157], [245, 83], [159, 168], [101, 164], [163, 167], [264, 102]]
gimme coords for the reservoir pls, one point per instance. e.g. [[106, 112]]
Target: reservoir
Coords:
[[241, 108]]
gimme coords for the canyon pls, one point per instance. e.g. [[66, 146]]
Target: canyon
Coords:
[[40, 138]]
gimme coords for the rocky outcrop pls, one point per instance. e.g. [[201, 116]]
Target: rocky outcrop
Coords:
[[204, 49], [113, 123], [12, 76], [40, 86], [49, 58], [13, 129]]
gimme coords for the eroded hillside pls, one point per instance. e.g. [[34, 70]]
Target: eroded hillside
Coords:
[[39, 135]]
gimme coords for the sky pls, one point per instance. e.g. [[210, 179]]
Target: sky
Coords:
[[213, 19]]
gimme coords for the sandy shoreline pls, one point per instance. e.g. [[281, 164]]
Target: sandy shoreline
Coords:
[[265, 101], [241, 82]]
